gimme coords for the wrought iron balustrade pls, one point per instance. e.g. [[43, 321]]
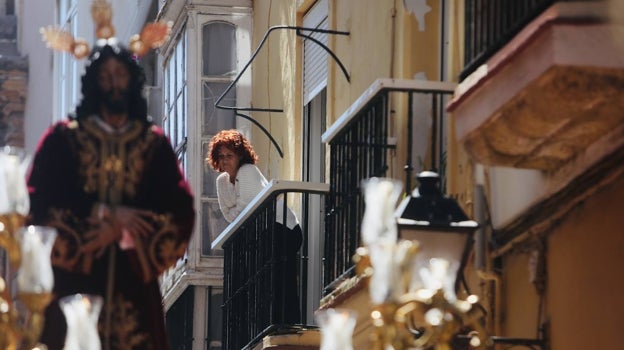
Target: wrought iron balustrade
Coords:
[[250, 245], [360, 144], [490, 24]]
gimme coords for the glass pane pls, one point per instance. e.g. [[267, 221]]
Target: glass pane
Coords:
[[219, 49], [214, 328], [172, 125], [181, 118], [213, 224], [165, 126], [184, 112], [171, 85], [179, 63], [166, 89], [217, 119], [209, 188], [183, 163]]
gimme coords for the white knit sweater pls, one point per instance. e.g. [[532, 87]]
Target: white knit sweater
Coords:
[[233, 198]]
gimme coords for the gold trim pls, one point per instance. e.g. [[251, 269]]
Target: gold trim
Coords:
[[112, 164], [152, 36]]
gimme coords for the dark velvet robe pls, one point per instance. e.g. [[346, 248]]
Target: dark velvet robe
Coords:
[[78, 166]]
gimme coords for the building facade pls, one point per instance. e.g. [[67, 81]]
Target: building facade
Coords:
[[516, 105]]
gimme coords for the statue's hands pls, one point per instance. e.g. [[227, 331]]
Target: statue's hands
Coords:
[[135, 221], [101, 236], [111, 223]]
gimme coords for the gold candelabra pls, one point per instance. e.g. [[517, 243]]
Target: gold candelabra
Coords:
[[426, 318], [19, 331], [412, 281]]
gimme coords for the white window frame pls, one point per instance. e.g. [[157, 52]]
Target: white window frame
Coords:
[[175, 118], [314, 84], [241, 18], [67, 70]]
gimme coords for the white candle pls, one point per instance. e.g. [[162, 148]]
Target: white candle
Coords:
[[81, 313], [392, 270], [379, 222], [440, 274], [337, 327], [35, 274], [13, 188]]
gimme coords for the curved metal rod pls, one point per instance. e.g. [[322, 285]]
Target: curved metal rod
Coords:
[[253, 56], [330, 52], [236, 109], [279, 150]]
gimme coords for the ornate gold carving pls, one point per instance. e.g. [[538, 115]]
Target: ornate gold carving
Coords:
[[112, 165], [165, 248], [152, 36], [125, 332], [66, 251], [102, 14]]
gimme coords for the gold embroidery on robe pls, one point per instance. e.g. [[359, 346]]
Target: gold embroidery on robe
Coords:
[[125, 332], [66, 250], [112, 164]]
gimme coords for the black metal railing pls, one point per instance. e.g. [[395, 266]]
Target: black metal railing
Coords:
[[358, 152], [252, 264], [359, 149], [490, 24]]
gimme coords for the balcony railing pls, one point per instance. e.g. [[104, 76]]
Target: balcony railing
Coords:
[[490, 24], [250, 309], [360, 143]]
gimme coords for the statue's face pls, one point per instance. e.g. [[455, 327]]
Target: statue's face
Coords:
[[113, 82]]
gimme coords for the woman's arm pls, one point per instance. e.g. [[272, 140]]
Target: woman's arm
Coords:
[[249, 181], [227, 197]]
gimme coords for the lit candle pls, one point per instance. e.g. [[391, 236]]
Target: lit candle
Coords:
[[337, 327], [6, 166], [440, 274], [379, 222], [35, 274], [13, 189], [392, 269], [81, 313]]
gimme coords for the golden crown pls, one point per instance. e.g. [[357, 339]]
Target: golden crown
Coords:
[[152, 36]]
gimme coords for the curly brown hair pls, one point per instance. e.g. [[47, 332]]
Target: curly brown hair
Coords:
[[233, 140]]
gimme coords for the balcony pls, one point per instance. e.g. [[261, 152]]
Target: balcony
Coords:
[[250, 262], [396, 128], [551, 95], [363, 143]]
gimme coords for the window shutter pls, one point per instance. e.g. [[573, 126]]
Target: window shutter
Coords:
[[314, 56]]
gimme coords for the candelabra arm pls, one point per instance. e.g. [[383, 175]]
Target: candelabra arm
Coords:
[[9, 336], [9, 319], [9, 223], [19, 332], [32, 332]]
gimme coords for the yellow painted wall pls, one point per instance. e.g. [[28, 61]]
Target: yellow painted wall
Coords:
[[584, 279], [586, 275], [519, 315], [385, 41], [277, 84]]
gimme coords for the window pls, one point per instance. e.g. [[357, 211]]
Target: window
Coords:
[[67, 69], [224, 43], [175, 92]]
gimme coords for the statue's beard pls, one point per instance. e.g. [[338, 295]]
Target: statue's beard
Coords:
[[116, 101]]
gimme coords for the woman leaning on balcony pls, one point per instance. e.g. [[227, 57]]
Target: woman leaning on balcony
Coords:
[[231, 154]]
